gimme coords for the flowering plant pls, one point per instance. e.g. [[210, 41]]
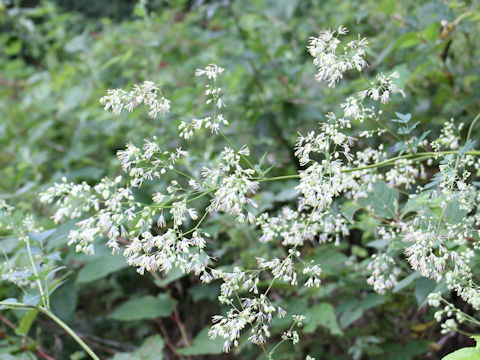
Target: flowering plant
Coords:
[[418, 193]]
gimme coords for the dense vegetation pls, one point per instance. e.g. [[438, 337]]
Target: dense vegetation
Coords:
[[360, 231]]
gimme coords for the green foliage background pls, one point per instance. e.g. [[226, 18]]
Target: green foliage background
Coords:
[[58, 58]]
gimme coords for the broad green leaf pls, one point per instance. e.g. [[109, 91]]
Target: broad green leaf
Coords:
[[423, 288], [203, 345], [151, 349], [409, 351], [377, 244], [415, 202], [204, 291], [403, 118], [8, 245], [431, 32], [26, 322], [382, 200], [349, 317], [146, 307], [469, 353], [289, 193], [371, 300], [322, 314], [407, 40], [64, 301], [387, 6], [100, 267], [32, 298], [40, 237], [359, 251], [172, 275], [348, 210], [453, 213], [60, 236], [406, 282], [13, 48]]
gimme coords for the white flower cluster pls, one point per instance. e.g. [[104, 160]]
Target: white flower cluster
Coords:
[[148, 162], [234, 185], [383, 88], [449, 136], [320, 183], [453, 316], [147, 93], [13, 268], [296, 227], [405, 173], [74, 200], [212, 122], [291, 226], [150, 252], [257, 312], [384, 273], [331, 66], [329, 137]]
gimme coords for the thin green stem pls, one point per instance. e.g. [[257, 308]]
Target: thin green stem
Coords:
[[388, 130], [19, 305], [251, 324], [236, 149], [201, 195], [284, 177], [196, 226], [408, 156], [34, 269], [470, 129], [416, 156], [281, 342], [70, 332], [52, 316], [183, 174]]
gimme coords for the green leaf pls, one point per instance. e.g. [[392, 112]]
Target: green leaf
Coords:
[[378, 244], [203, 345], [64, 302], [322, 314], [204, 291], [348, 210], [147, 307], [469, 353], [423, 288], [101, 267], [406, 282], [174, 274], [349, 317], [8, 245], [13, 48], [407, 40], [415, 202], [26, 322], [403, 118], [431, 32], [387, 6], [382, 200], [42, 236], [151, 349], [454, 214], [371, 300]]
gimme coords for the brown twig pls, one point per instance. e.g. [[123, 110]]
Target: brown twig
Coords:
[[167, 339]]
